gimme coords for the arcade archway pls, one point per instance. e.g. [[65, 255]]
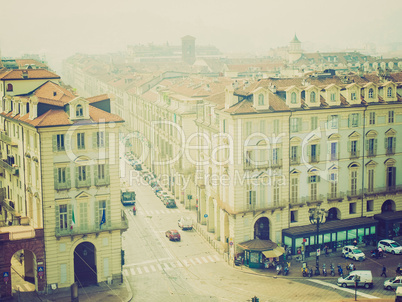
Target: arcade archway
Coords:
[[85, 272], [388, 206], [334, 214]]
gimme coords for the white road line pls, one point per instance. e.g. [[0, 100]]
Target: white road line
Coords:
[[198, 260], [126, 273], [179, 264], [159, 266], [217, 258], [146, 269], [210, 258], [192, 261], [351, 291], [132, 271], [204, 259], [139, 270], [167, 267], [147, 261], [153, 268], [157, 212], [186, 263]]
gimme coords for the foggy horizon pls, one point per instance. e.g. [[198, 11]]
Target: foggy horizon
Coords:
[[60, 29]]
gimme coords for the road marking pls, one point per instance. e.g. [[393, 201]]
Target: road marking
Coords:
[[139, 270], [126, 272], [192, 261], [217, 258], [146, 269], [186, 263], [198, 260], [157, 212], [179, 264], [153, 268], [210, 258], [351, 291], [204, 259], [147, 261], [159, 267], [132, 271], [167, 267]]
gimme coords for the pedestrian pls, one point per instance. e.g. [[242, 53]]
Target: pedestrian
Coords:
[[380, 252], [384, 271], [398, 269], [355, 242]]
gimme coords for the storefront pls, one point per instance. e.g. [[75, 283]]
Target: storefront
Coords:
[[389, 224], [253, 252], [333, 234]]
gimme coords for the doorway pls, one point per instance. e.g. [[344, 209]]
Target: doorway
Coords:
[[85, 273]]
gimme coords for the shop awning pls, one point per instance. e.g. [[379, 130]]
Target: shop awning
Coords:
[[389, 216], [258, 245], [274, 253]]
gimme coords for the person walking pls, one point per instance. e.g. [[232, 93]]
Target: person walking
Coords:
[[384, 271], [398, 270]]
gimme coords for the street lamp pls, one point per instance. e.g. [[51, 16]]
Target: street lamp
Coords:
[[317, 216]]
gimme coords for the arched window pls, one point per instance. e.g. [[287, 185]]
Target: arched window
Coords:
[[9, 87], [293, 98], [389, 92], [312, 97], [371, 93], [79, 111], [261, 100]]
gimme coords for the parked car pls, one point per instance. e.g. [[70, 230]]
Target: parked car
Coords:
[[390, 246], [393, 283], [157, 189], [352, 252], [185, 223], [170, 203], [173, 235], [364, 278], [163, 195]]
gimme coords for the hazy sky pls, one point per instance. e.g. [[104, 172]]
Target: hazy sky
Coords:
[[61, 28]]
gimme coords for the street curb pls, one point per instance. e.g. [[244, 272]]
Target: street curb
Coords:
[[128, 287]]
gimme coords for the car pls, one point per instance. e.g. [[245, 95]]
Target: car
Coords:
[[352, 252], [363, 278], [163, 195], [393, 283], [173, 235], [185, 223], [157, 189], [390, 246], [169, 203]]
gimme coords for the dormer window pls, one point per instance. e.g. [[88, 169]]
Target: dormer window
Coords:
[[9, 87], [371, 93], [333, 97], [261, 100], [79, 111], [312, 97], [353, 96], [389, 92], [293, 99]]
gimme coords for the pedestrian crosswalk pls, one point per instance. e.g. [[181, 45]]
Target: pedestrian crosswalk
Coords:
[[151, 268], [152, 212]]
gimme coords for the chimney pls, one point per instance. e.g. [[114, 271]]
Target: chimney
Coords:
[[230, 99], [33, 104], [25, 74]]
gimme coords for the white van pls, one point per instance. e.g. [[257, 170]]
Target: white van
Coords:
[[365, 278]]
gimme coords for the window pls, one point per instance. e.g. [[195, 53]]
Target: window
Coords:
[[333, 97], [354, 120], [391, 177], [372, 146], [100, 139], [295, 124], [294, 189], [294, 156], [314, 153], [81, 140], [9, 87], [312, 97], [353, 149], [390, 143], [370, 181], [102, 212], [389, 92], [63, 216], [248, 129], [353, 183], [260, 99], [334, 150], [390, 117], [352, 208], [60, 142], [293, 98], [276, 127], [275, 156], [372, 118], [61, 175], [251, 196], [353, 96], [314, 122], [82, 173], [101, 171], [276, 192], [371, 93], [333, 122], [370, 205], [333, 183], [313, 180], [79, 111], [294, 216]]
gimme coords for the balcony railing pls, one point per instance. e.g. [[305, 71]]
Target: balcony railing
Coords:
[[371, 153], [83, 183], [354, 194], [314, 159], [5, 137], [335, 196], [318, 198], [256, 165], [354, 154], [270, 206], [102, 181], [295, 160], [81, 230], [390, 151], [383, 190], [276, 163], [13, 169]]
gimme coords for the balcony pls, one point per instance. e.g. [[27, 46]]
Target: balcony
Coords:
[[313, 159], [94, 229], [383, 190], [294, 160], [371, 153], [390, 151], [311, 200], [354, 194], [296, 202], [5, 137], [272, 206], [354, 154], [11, 168], [83, 183], [276, 163], [19, 228], [256, 165], [102, 181], [335, 196]]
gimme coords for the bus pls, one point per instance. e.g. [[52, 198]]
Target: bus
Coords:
[[127, 197]]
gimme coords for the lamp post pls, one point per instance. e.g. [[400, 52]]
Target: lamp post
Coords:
[[317, 216]]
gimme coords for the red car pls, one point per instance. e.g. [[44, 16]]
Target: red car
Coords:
[[173, 235]]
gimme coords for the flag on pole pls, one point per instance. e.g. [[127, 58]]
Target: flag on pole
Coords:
[[103, 221], [72, 221]]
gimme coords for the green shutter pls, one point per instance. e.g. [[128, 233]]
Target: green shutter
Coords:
[[96, 174], [349, 146], [394, 143], [56, 179], [357, 146], [88, 174], [318, 178], [83, 216], [367, 144], [318, 151], [108, 214], [375, 146], [69, 215], [107, 178], [57, 220], [76, 177], [54, 141], [67, 142], [309, 179], [349, 120], [68, 178], [97, 222], [299, 124], [386, 142], [106, 139], [309, 150], [94, 140]]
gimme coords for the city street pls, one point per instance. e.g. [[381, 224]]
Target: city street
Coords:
[[191, 270]]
